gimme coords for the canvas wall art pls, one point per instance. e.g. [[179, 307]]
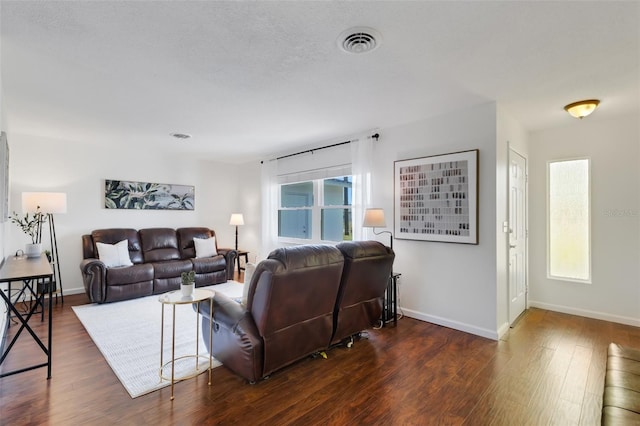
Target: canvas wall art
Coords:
[[122, 194], [436, 198]]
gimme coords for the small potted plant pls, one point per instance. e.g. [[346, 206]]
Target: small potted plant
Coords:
[[188, 283], [31, 225]]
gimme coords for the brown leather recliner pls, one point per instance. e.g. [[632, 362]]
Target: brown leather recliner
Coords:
[[621, 398], [300, 301], [289, 312], [367, 268]]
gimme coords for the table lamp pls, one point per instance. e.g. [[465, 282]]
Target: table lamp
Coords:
[[374, 218]]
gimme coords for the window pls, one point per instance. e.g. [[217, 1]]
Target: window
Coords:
[[316, 210], [568, 220]]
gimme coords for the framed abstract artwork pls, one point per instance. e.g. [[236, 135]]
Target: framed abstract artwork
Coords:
[[122, 194], [436, 198]]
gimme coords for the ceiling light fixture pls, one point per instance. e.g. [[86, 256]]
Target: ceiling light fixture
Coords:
[[359, 40], [581, 109], [181, 135]]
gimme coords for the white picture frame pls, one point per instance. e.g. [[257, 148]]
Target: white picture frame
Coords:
[[436, 198]]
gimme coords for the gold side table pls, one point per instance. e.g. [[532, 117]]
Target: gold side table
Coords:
[[173, 299]]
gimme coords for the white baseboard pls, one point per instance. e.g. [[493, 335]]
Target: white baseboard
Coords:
[[78, 290], [586, 313], [467, 328], [503, 330]]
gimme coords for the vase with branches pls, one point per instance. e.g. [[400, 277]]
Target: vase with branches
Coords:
[[31, 224]]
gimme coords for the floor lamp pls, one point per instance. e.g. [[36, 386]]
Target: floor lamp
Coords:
[[49, 203], [236, 220]]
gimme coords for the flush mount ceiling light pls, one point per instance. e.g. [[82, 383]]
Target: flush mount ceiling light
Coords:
[[359, 40], [181, 135], [581, 109]]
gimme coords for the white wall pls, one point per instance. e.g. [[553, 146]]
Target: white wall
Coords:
[[453, 285], [448, 284], [79, 169], [613, 146], [249, 192]]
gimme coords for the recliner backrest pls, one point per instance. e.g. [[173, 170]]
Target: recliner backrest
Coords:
[[115, 235], [366, 273], [185, 240], [159, 244], [291, 298]]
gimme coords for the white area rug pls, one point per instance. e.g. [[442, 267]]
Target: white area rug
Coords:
[[128, 335]]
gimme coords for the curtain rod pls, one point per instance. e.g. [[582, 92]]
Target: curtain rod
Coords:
[[374, 136]]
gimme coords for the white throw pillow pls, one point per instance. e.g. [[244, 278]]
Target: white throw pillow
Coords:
[[113, 255], [249, 268], [205, 247]]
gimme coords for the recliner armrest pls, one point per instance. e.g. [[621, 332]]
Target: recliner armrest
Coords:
[[230, 314], [94, 278], [230, 256], [236, 340]]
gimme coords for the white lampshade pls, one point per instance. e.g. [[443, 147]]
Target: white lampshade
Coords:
[[374, 218], [49, 202], [236, 219]]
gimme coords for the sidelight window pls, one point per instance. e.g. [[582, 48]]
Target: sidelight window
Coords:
[[569, 220]]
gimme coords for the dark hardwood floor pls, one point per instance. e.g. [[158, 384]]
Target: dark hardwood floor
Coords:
[[548, 370]]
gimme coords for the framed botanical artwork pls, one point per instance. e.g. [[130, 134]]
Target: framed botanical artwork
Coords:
[[436, 198], [122, 194]]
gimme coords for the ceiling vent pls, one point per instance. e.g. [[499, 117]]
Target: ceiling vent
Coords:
[[359, 40], [181, 135]]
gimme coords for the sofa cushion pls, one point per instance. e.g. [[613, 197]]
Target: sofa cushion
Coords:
[[113, 255], [130, 274], [171, 268], [115, 235], [159, 244], [204, 265], [205, 247]]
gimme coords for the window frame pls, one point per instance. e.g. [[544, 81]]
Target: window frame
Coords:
[[550, 276], [316, 212]]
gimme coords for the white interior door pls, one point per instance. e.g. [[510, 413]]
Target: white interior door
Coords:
[[517, 235]]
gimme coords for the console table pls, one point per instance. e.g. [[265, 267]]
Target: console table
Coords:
[[28, 270]]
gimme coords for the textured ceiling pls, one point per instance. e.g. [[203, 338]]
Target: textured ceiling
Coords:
[[249, 79]]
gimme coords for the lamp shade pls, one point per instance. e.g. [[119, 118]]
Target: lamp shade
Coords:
[[236, 219], [581, 109], [48, 202], [374, 218]]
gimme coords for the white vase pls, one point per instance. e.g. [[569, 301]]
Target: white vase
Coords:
[[187, 289], [33, 250]]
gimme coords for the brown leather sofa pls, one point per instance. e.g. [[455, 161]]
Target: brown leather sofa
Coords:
[[159, 256], [301, 300], [621, 400]]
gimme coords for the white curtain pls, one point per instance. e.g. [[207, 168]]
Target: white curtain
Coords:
[[269, 180], [361, 163]]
